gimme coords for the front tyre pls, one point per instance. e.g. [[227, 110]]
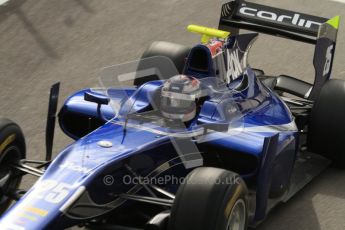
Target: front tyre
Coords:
[[210, 199], [12, 150]]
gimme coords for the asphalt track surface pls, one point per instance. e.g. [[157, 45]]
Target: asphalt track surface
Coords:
[[42, 42]]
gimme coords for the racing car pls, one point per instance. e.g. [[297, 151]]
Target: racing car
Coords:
[[184, 138]]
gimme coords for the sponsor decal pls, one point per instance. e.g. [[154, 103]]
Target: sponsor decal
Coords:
[[74, 167], [27, 216], [294, 19], [215, 48], [234, 65], [36, 211]]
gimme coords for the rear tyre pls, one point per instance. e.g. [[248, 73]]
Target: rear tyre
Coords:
[[326, 135], [12, 150], [210, 199], [175, 52]]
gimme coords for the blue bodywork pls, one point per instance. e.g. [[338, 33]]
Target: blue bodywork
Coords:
[[84, 180]]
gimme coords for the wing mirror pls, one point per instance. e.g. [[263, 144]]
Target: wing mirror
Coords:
[[99, 99], [96, 98]]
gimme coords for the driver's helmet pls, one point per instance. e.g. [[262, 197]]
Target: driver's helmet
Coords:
[[179, 97]]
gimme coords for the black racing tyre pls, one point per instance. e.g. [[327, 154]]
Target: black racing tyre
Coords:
[[326, 133], [12, 150], [175, 52], [210, 199]]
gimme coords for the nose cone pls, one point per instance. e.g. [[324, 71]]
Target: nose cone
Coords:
[[70, 174]]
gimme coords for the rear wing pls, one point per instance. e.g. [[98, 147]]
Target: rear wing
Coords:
[[265, 19], [322, 32]]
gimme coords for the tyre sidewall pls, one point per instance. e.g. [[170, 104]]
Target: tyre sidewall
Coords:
[[214, 203], [326, 134], [11, 141]]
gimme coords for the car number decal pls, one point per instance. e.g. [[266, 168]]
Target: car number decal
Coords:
[[52, 191]]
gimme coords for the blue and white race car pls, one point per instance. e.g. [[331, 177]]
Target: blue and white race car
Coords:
[[184, 138]]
